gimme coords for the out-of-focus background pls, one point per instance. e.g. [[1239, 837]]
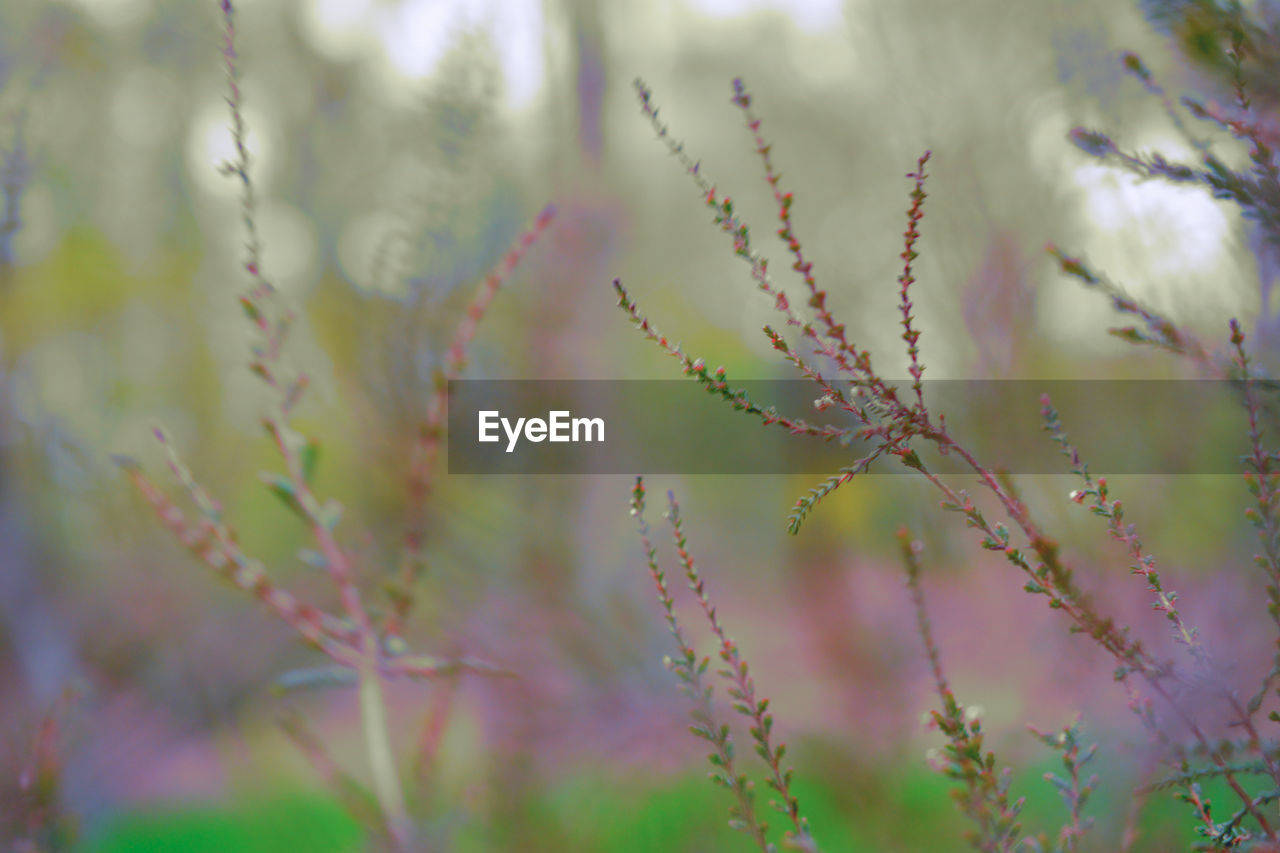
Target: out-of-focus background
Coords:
[[398, 147]]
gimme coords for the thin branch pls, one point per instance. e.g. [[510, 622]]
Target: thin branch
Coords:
[[426, 448], [742, 690], [689, 669]]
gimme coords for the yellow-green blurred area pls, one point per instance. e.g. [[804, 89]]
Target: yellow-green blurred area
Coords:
[[397, 148]]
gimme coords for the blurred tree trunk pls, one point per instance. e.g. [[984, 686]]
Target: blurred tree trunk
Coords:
[[43, 649]]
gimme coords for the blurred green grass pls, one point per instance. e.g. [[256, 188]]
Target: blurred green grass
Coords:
[[294, 821], [895, 808]]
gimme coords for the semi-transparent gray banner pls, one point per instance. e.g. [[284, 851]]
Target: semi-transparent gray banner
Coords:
[[677, 427]]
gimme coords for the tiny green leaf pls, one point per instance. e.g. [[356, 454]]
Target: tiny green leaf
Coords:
[[330, 514], [310, 457], [282, 487]]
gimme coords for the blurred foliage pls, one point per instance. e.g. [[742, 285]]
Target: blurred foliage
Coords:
[[384, 199], [279, 823], [902, 811]]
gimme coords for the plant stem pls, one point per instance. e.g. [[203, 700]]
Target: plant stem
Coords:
[[386, 782]]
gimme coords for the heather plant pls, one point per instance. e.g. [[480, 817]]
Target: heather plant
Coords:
[[1183, 700], [363, 641], [34, 814], [691, 672]]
